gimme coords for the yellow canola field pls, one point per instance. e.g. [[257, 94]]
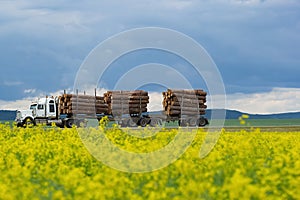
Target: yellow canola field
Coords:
[[53, 163]]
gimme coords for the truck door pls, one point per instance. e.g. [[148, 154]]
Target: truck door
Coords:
[[51, 111], [40, 111]]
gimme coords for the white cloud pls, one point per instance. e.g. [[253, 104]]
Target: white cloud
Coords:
[[155, 101], [24, 103], [29, 91], [278, 100], [12, 83], [15, 105]]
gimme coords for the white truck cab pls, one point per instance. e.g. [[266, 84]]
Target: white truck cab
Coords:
[[41, 111]]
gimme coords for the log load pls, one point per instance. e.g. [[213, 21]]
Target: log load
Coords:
[[184, 102], [126, 102], [82, 104]]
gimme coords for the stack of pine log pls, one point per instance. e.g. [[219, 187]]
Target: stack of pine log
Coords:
[[82, 104], [184, 102], [126, 102]]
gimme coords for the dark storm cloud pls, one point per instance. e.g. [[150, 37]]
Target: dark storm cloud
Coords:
[[254, 43]]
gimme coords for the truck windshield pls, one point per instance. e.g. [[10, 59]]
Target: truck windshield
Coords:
[[32, 106]]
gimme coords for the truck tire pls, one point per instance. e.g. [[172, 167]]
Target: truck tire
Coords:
[[182, 123], [143, 122], [28, 122], [69, 123], [124, 123], [19, 124], [193, 122], [202, 121], [131, 123], [154, 122], [81, 123]]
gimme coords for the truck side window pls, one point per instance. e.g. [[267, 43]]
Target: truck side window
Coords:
[[40, 106], [51, 106], [32, 106]]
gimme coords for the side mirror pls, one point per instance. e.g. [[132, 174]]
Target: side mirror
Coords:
[[34, 112]]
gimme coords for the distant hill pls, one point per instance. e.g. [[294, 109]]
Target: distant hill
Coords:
[[234, 114], [6, 115], [230, 114]]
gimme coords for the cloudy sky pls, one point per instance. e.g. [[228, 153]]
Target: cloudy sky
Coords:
[[254, 43]]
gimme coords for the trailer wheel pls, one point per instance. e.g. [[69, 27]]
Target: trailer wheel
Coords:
[[124, 123], [182, 123], [193, 121], [131, 123], [202, 121], [69, 123], [154, 122], [81, 123], [143, 122]]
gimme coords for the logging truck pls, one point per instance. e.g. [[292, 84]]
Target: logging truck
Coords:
[[125, 108], [44, 111]]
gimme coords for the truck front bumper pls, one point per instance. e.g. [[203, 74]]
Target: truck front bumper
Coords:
[[19, 123]]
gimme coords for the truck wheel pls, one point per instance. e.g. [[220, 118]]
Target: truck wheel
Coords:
[[81, 123], [69, 123], [202, 121], [193, 121], [28, 122], [143, 122], [131, 123], [19, 124], [183, 123], [154, 122], [124, 123]]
